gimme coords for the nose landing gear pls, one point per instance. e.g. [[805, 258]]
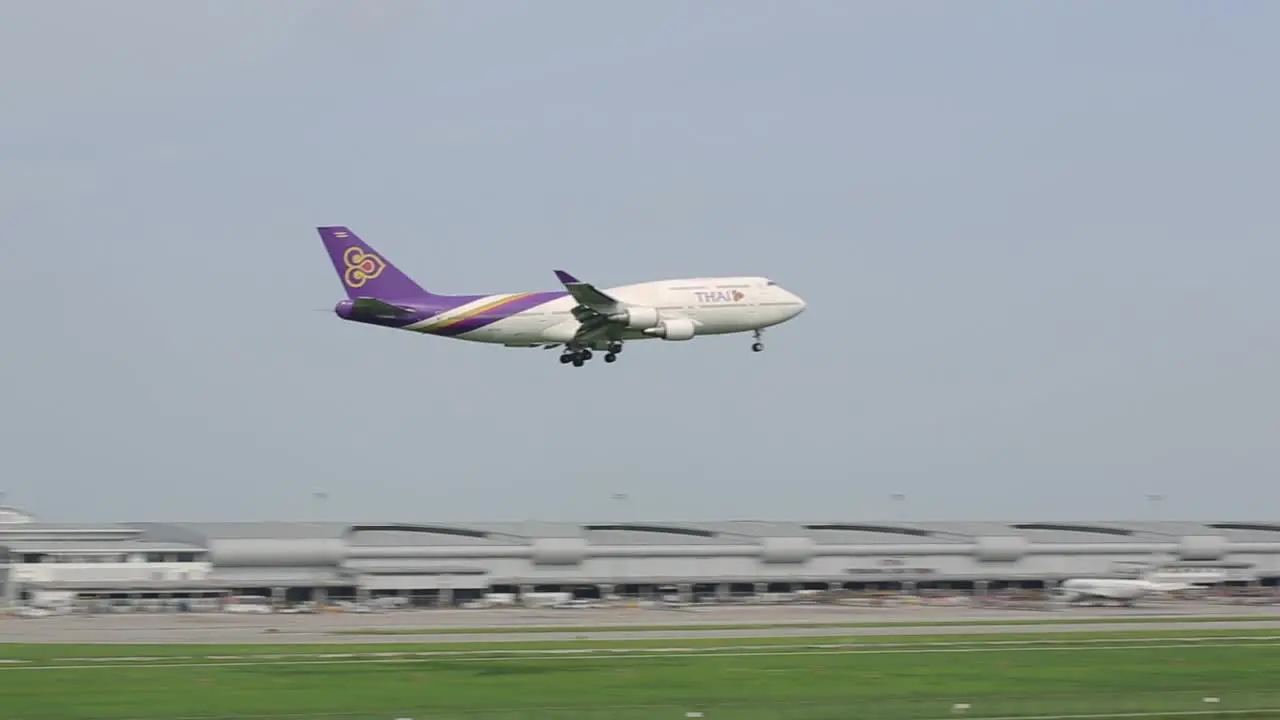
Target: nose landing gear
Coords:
[[757, 346]]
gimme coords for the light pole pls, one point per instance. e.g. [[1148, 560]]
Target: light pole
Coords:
[[621, 499], [896, 501], [317, 505], [1153, 503]]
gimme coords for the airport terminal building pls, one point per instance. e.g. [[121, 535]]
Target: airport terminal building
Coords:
[[435, 563]]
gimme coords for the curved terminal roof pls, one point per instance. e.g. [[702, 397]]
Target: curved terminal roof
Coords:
[[731, 532], [276, 544], [401, 534]]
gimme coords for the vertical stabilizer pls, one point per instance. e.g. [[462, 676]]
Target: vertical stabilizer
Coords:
[[364, 272]]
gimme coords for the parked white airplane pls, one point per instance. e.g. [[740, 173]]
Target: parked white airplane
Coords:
[[1128, 591], [582, 318]]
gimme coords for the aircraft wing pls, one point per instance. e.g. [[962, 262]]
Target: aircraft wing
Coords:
[[597, 312], [1098, 593], [589, 296]]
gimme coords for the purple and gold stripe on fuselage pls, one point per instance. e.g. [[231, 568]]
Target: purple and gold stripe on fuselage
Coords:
[[491, 312]]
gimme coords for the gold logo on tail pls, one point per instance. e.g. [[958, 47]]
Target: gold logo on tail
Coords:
[[361, 267]]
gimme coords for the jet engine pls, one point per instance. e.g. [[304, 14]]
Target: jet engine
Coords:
[[637, 318], [673, 329]]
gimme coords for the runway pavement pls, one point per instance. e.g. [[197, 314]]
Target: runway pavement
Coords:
[[516, 624]]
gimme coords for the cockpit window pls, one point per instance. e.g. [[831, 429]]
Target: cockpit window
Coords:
[[770, 283]]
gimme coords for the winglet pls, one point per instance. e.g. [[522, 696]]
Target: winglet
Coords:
[[566, 278]]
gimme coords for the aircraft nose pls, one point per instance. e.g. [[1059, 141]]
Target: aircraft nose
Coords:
[[799, 302]]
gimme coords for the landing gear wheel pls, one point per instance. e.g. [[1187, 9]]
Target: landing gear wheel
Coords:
[[610, 357], [757, 347], [577, 356], [615, 348]]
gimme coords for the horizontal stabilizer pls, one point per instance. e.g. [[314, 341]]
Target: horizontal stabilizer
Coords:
[[372, 307]]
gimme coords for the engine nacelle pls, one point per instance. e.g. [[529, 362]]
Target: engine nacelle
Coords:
[[673, 329], [638, 318]]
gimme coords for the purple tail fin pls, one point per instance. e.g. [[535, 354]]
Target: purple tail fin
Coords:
[[365, 273]]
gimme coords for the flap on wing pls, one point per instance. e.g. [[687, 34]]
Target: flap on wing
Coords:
[[588, 295], [372, 307]]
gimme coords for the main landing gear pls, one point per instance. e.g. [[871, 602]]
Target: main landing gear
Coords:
[[580, 356], [757, 346]]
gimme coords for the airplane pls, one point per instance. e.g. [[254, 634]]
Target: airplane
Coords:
[[1128, 591], [581, 318]]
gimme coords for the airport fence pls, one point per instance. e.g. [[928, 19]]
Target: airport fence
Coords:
[[1079, 706]]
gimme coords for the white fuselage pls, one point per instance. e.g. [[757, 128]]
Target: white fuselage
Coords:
[[1122, 589], [716, 306], [1106, 588]]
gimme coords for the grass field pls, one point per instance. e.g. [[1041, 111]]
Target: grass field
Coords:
[[893, 678], [45, 653]]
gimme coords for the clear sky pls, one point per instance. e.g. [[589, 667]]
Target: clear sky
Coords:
[[1039, 244]]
